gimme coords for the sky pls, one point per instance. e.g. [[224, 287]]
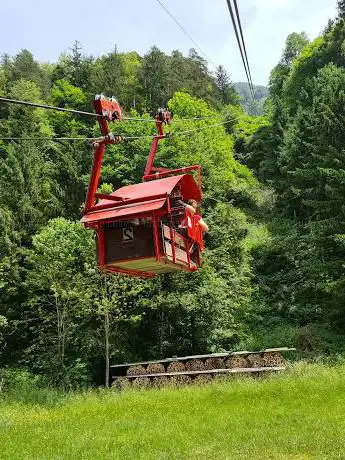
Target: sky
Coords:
[[47, 28]]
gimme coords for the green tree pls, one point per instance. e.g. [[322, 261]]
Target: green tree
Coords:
[[293, 46], [341, 9], [58, 302], [154, 78], [226, 91]]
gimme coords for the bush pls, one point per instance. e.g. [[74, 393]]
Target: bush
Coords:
[[20, 386]]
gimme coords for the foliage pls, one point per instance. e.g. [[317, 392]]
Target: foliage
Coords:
[[255, 107], [299, 272]]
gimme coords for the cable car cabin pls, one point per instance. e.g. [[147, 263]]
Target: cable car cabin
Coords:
[[138, 228]]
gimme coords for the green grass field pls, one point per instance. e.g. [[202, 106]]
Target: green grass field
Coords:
[[296, 415]]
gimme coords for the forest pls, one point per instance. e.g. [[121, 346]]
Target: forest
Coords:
[[274, 183]]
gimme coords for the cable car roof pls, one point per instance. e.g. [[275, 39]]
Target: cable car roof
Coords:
[[146, 194], [123, 211], [189, 189]]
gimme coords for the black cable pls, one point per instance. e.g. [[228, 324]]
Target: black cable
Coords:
[[239, 45], [243, 42], [47, 138], [48, 107], [146, 136], [62, 109], [186, 33]]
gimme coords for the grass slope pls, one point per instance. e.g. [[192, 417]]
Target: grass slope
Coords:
[[298, 415]]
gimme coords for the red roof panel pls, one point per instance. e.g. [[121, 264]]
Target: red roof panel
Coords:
[[189, 189], [122, 211]]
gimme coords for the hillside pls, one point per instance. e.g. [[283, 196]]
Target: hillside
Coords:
[[260, 93]]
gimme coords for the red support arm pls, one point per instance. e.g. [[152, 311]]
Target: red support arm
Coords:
[[104, 108], [154, 145], [94, 178]]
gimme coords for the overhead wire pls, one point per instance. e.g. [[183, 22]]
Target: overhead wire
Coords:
[[186, 33], [243, 42], [245, 63], [148, 136], [48, 107], [80, 112], [240, 41]]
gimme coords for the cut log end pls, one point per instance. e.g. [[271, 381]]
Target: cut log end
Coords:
[[273, 359], [141, 383], [136, 370], [195, 365], [176, 366], [155, 368], [121, 384], [214, 363], [236, 361]]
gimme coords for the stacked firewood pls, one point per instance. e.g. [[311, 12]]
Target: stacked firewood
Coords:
[[273, 359], [236, 361], [180, 380], [155, 368], [136, 370], [214, 363], [160, 382], [141, 382], [202, 378], [122, 383], [176, 366], [255, 360], [195, 365]]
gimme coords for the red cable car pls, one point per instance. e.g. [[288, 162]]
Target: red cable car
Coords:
[[138, 226]]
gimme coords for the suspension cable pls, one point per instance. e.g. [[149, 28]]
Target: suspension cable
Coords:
[[48, 107], [92, 114], [243, 42], [240, 47], [186, 33]]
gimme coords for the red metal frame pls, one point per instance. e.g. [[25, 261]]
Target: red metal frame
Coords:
[[128, 271], [160, 173], [154, 146], [104, 108], [101, 246], [94, 178]]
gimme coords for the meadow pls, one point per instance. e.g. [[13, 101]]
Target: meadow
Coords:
[[296, 415]]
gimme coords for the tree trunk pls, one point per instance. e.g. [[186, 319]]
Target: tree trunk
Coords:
[[106, 347]]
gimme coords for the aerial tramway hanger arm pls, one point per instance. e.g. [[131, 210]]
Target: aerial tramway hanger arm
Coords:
[[106, 108], [154, 145]]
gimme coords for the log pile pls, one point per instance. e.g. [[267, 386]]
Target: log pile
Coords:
[[136, 370], [214, 363], [198, 369], [273, 359], [195, 365], [155, 368], [176, 366], [141, 382], [236, 361], [255, 360]]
